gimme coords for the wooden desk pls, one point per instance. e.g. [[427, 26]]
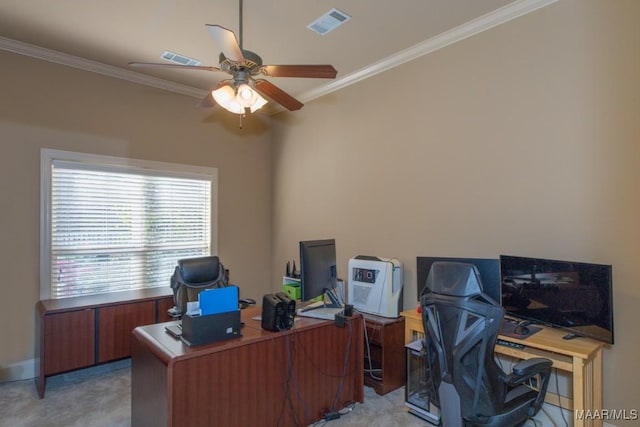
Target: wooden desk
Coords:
[[580, 357], [246, 381]]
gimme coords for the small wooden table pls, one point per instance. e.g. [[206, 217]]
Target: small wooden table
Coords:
[[580, 357]]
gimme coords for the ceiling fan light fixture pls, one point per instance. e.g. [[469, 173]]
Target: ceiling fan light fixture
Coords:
[[235, 100], [226, 98], [260, 102], [246, 96]]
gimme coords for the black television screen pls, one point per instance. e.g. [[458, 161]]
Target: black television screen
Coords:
[[489, 270], [571, 295]]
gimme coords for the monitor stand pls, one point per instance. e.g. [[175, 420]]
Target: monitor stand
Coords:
[[331, 295], [327, 310]]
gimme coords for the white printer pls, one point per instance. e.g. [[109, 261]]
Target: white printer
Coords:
[[375, 285]]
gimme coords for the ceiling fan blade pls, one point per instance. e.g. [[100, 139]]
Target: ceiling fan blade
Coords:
[[159, 65], [227, 42], [267, 88], [311, 71]]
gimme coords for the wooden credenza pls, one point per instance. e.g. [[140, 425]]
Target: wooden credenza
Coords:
[[263, 378], [580, 357], [74, 333]]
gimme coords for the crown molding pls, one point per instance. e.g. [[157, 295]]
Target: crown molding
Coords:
[[466, 30], [61, 58], [493, 19]]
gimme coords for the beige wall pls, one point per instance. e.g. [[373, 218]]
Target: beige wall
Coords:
[[52, 106], [522, 140]]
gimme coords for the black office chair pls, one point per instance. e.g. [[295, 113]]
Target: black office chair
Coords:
[[461, 324], [193, 275]]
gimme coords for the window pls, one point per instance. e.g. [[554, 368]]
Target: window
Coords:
[[111, 224]]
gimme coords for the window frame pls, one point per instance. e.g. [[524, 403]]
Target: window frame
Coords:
[[111, 163]]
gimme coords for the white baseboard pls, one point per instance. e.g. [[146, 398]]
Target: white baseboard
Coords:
[[23, 370]]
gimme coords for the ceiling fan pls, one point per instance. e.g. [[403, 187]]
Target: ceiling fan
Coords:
[[243, 90]]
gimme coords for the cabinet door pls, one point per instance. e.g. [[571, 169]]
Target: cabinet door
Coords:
[[115, 324], [69, 341]]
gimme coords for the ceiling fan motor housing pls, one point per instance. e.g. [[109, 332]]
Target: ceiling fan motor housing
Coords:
[[252, 62]]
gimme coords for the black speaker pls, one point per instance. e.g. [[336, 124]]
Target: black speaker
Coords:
[[289, 309], [278, 312], [272, 312]]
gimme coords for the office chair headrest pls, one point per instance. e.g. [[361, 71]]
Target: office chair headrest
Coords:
[[454, 278], [199, 270]]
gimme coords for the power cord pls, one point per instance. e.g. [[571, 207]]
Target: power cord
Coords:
[[371, 370], [295, 382], [324, 421], [331, 413], [560, 399]]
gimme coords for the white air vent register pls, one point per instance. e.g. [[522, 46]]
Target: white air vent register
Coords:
[[329, 21]]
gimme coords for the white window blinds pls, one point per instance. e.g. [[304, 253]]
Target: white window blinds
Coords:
[[116, 228]]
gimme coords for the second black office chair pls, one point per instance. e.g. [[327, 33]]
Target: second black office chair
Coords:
[[461, 325], [192, 276]]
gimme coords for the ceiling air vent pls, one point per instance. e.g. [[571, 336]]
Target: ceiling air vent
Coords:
[[179, 59], [329, 21]]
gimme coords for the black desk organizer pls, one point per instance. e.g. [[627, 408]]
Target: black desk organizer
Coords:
[[198, 330]]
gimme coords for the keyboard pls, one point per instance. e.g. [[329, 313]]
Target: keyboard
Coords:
[[506, 343], [326, 313]]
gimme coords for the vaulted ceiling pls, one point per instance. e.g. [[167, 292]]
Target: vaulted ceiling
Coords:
[[104, 36]]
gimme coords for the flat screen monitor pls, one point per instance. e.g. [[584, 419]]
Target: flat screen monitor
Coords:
[[489, 270], [317, 267], [571, 295]]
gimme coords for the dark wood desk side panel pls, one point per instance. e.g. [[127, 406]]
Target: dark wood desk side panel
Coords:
[[394, 355], [251, 384], [148, 387], [320, 367], [238, 387]]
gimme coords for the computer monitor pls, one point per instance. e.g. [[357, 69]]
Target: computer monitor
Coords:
[[318, 269]]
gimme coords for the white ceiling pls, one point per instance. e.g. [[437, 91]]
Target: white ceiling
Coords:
[[104, 36]]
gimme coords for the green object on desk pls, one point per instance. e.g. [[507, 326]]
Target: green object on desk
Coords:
[[291, 287]]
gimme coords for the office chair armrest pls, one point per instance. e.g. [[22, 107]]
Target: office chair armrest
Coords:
[[246, 302], [526, 369], [174, 312], [531, 366], [536, 366]]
